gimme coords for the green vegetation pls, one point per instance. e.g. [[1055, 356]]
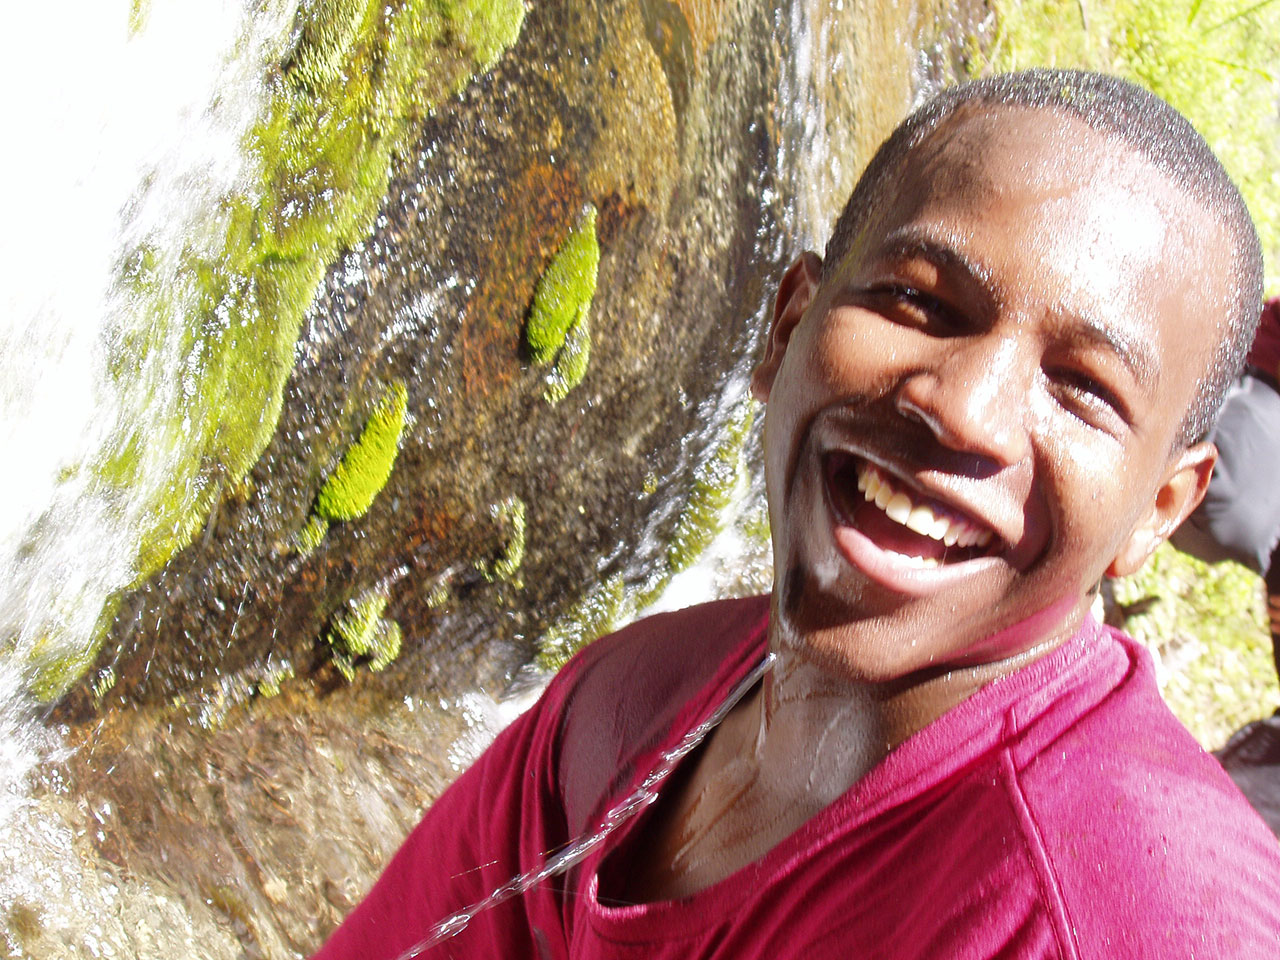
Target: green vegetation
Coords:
[[358, 634], [561, 302], [439, 595], [510, 514], [103, 683], [1206, 626], [595, 614], [139, 13], [273, 676], [366, 466], [56, 664], [602, 607], [312, 534], [713, 484], [572, 361], [346, 101], [1212, 59]]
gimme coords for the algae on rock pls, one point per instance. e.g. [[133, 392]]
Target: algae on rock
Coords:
[[510, 514], [558, 327], [364, 469], [340, 106], [714, 482], [359, 634], [572, 361]]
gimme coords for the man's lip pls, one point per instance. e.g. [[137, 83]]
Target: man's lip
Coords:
[[892, 570]]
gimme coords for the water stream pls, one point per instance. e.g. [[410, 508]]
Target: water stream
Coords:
[[579, 848]]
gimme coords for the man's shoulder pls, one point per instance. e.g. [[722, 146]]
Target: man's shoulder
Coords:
[[1144, 834], [625, 693]]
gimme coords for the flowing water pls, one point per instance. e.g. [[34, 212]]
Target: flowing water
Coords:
[[212, 784], [578, 849], [116, 156]]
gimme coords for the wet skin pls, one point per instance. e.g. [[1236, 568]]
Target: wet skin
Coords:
[[1012, 343]]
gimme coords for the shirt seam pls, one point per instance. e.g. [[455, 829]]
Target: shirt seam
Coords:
[[1051, 895]]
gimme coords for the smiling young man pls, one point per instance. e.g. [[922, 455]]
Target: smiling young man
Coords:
[[984, 400]]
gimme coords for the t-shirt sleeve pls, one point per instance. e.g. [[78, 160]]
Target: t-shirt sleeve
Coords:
[[492, 823]]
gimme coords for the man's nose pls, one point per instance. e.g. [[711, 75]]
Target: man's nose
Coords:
[[972, 393]]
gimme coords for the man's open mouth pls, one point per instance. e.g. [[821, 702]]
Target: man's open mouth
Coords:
[[900, 521]]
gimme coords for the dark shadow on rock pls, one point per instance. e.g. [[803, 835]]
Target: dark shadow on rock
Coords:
[[1252, 758]]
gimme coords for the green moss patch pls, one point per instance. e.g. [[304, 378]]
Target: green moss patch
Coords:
[[596, 613], [311, 535], [562, 297], [359, 635], [510, 514], [572, 360], [714, 482], [1213, 61], [365, 467]]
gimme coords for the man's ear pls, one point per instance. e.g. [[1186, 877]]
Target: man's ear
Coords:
[[1183, 489], [795, 292]]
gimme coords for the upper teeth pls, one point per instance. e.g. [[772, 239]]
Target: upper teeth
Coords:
[[920, 517]]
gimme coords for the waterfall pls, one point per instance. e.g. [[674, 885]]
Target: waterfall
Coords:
[[132, 127], [126, 127]]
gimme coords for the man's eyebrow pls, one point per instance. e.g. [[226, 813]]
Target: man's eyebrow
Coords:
[[1135, 353], [911, 242]]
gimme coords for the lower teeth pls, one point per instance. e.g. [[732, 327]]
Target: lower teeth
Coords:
[[911, 561]]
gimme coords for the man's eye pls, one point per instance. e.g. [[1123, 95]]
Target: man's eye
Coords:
[[1087, 397], [910, 303]]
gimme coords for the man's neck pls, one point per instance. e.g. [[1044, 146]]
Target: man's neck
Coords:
[[787, 751]]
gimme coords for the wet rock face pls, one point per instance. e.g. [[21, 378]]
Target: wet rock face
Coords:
[[667, 132]]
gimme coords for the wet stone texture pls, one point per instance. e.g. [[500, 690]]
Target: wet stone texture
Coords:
[[582, 109], [226, 775]]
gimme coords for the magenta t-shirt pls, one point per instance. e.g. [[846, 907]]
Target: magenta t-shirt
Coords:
[[1059, 812]]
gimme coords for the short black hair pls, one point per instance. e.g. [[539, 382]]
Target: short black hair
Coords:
[[1139, 119]]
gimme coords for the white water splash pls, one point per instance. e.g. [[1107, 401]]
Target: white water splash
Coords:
[[121, 140], [114, 140]]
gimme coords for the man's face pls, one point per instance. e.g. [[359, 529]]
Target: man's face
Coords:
[[972, 418]]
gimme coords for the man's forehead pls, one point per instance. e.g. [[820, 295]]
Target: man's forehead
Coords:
[[1104, 212], [1085, 228], [979, 150]]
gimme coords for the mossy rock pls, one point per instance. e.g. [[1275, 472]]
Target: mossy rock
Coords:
[[350, 95], [564, 292], [366, 466], [359, 634]]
